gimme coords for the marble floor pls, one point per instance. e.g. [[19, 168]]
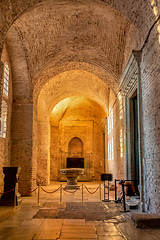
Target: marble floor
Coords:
[[18, 223]]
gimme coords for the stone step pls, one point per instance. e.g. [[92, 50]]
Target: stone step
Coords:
[[131, 204], [146, 220], [136, 199]]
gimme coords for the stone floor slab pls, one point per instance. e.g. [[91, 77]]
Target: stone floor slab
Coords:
[[47, 235], [78, 228], [17, 237], [51, 224], [32, 222], [74, 222], [10, 223], [78, 235], [110, 238]]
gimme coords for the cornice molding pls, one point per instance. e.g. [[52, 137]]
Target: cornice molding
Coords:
[[128, 80]]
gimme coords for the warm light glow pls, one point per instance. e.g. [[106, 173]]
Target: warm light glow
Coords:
[[158, 28], [110, 121], [156, 6], [152, 2], [121, 143], [76, 108], [110, 149], [120, 105], [155, 10], [6, 79], [3, 119]]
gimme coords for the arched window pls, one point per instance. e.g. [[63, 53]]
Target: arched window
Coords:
[[4, 105], [3, 119], [120, 106], [6, 79], [110, 121], [121, 143]]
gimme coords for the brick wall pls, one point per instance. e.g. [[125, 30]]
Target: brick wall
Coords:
[[151, 114], [5, 143]]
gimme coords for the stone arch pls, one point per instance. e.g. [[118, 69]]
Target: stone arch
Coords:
[[55, 93]]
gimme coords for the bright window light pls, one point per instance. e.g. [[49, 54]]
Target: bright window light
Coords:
[[120, 106], [3, 119], [110, 121], [6, 79], [121, 143]]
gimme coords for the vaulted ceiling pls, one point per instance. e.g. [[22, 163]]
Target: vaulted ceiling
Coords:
[[52, 37], [46, 38]]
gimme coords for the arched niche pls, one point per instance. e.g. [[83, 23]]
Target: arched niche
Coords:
[[75, 147]]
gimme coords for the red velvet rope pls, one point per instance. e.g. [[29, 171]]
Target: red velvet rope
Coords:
[[27, 192], [8, 191], [50, 192], [91, 192], [72, 191]]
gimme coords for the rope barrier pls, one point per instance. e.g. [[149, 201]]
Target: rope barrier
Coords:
[[27, 192], [8, 191], [68, 191], [72, 191], [50, 192], [91, 192]]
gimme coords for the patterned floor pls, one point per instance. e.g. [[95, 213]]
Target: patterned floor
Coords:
[[90, 211]]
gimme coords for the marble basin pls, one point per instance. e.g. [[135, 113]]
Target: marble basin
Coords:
[[72, 175]]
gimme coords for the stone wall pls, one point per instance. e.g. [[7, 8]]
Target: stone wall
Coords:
[[116, 163], [5, 143], [150, 74]]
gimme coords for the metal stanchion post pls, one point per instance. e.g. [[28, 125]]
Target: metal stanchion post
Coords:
[[82, 192], [15, 196], [61, 193], [38, 195], [115, 190], [124, 202], [100, 192]]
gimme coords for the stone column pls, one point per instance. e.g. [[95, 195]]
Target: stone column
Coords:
[[43, 153], [22, 133], [137, 56], [127, 139]]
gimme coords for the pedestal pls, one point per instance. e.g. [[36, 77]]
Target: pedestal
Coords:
[[72, 175]]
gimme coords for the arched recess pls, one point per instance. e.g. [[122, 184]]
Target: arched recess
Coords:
[[75, 147], [67, 84]]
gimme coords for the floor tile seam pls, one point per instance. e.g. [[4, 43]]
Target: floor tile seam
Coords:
[[119, 229], [38, 229]]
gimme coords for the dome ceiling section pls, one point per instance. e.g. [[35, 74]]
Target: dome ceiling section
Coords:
[[77, 108], [51, 31], [70, 84]]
